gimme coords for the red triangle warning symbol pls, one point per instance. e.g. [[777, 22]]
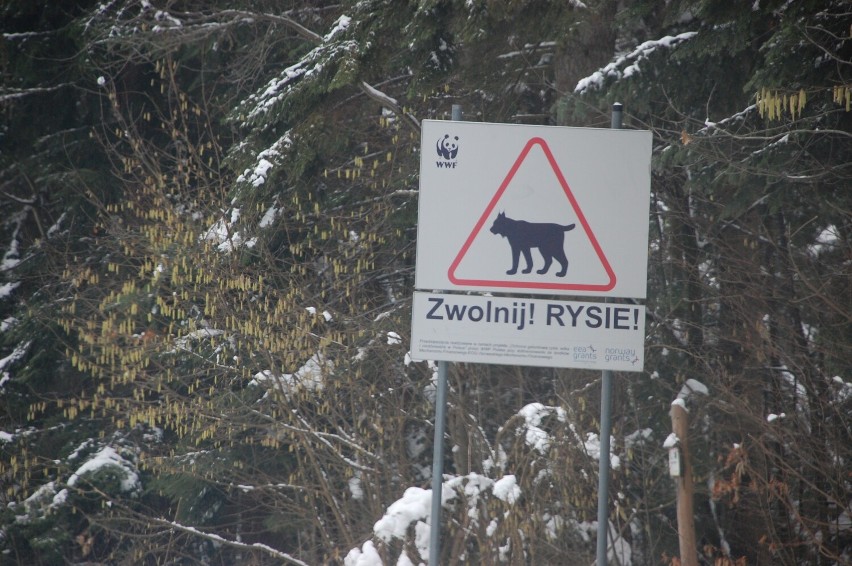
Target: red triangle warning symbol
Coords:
[[539, 239]]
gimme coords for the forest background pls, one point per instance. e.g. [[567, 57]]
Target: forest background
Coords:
[[207, 227]]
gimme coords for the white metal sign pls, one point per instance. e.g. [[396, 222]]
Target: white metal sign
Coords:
[[530, 332], [533, 209]]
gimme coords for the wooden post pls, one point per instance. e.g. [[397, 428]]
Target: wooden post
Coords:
[[685, 515]]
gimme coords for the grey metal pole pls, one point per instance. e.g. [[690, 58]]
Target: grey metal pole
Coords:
[[617, 115], [606, 425], [603, 467], [438, 448], [438, 465]]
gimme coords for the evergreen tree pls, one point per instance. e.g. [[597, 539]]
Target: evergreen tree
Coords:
[[747, 105]]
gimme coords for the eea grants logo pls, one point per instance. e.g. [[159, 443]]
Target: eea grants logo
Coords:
[[447, 148]]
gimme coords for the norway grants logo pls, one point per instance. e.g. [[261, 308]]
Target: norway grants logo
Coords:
[[447, 148]]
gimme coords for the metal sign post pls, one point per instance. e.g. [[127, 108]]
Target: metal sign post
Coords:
[[606, 426], [438, 449], [438, 465]]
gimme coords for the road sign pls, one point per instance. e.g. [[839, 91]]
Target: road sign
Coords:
[[533, 209], [529, 332]]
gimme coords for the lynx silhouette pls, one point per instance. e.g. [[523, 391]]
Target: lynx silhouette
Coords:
[[523, 236]]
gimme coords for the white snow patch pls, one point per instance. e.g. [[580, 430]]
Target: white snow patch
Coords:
[[77, 451], [18, 353], [7, 288], [268, 217], [163, 16], [843, 391], [257, 175], [415, 505], [620, 549], [826, 241], [552, 526], [311, 376], [8, 323], [11, 258], [108, 457], [223, 233], [671, 441], [394, 339], [184, 342], [422, 534], [60, 498], [44, 500], [535, 436], [593, 449], [325, 314], [506, 489], [355, 488], [339, 26], [492, 527], [367, 555], [691, 386], [638, 437]]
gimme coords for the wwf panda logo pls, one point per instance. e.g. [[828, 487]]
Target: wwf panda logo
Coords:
[[448, 147]]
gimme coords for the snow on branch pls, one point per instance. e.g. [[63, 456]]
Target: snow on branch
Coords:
[[391, 104], [325, 438], [340, 26], [690, 387], [20, 350], [13, 93], [265, 161], [108, 457], [232, 543], [191, 23], [310, 67], [626, 66], [533, 415], [123, 22]]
